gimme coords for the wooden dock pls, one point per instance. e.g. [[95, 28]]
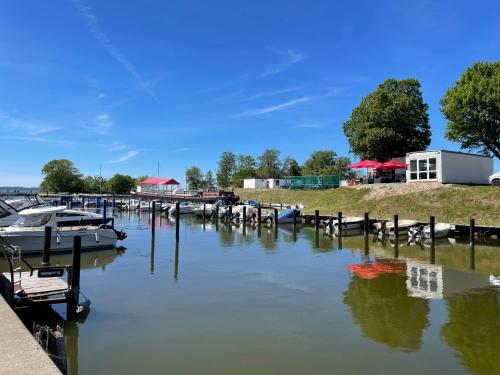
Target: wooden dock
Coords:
[[38, 289]]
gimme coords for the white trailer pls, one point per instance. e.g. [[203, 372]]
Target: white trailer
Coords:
[[263, 183], [448, 167]]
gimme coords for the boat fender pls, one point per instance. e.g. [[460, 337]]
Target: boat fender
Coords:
[[97, 236], [58, 238]]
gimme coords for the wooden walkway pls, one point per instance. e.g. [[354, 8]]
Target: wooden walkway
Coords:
[[33, 286]]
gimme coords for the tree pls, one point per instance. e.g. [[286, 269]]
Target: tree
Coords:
[[94, 184], [291, 167], [245, 168], [120, 184], [324, 163], [390, 121], [472, 108], [227, 164], [60, 175], [194, 178], [209, 181], [269, 165], [140, 179]]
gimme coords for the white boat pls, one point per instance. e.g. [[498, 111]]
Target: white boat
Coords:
[[148, 206], [251, 212], [28, 232], [441, 230], [183, 209], [347, 223], [387, 228], [12, 204]]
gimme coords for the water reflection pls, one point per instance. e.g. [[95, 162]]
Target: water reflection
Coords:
[[473, 329], [380, 305]]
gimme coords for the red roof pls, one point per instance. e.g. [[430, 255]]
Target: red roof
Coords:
[[365, 164], [159, 181]]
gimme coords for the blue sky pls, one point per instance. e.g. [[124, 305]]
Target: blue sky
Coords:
[[126, 84]]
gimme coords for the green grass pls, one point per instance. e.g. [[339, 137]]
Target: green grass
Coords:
[[454, 204]]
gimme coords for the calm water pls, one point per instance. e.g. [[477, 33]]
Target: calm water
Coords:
[[229, 301]]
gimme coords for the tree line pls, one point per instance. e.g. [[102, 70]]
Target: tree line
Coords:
[[234, 168], [61, 175]]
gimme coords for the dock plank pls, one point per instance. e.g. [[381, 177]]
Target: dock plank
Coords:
[[34, 286]]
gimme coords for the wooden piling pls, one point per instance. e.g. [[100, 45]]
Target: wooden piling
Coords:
[[366, 246], [316, 220], [230, 212], [104, 211], [366, 224], [244, 215], [276, 216], [339, 224], [153, 217], [294, 215], [396, 227], [74, 292], [217, 212], [177, 216], [259, 213], [46, 246], [176, 262], [432, 225]]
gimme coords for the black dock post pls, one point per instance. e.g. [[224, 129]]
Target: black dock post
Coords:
[[176, 262], [230, 212], [217, 212], [432, 224], [276, 216], [294, 215], [153, 217], [366, 225], [366, 246], [74, 292], [472, 244], [204, 214], [316, 220], [396, 227], [177, 208], [244, 215], [104, 213], [339, 224], [259, 214], [46, 246]]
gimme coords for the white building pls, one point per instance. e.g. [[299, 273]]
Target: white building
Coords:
[[448, 167], [263, 183]]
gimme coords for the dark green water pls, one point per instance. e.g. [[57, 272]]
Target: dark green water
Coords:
[[266, 302]]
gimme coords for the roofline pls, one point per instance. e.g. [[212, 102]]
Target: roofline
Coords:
[[450, 152]]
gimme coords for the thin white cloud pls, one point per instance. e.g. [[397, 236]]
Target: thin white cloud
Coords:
[[129, 155], [289, 58], [30, 127], [279, 107], [270, 94], [93, 26], [37, 139], [101, 124], [117, 147], [311, 125]]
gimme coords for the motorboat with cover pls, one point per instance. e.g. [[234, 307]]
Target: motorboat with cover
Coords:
[[12, 204], [285, 216], [441, 230], [28, 232], [347, 223]]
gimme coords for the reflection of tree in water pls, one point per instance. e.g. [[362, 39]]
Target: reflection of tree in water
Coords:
[[473, 329], [385, 312]]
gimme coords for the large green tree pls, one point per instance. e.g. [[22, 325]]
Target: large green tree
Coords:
[[94, 184], [227, 164], [472, 108], [209, 181], [269, 165], [194, 178], [245, 168], [60, 175], [324, 163], [120, 184], [291, 167], [389, 122]]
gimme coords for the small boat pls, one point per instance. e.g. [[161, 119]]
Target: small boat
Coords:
[[148, 206], [348, 222], [286, 216], [441, 230], [183, 209], [28, 232], [387, 228]]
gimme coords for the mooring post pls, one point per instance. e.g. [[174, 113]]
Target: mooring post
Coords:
[[259, 213], [177, 216], [46, 246], [294, 215], [244, 215], [114, 204], [472, 230], [176, 262], [230, 212], [472, 241], [339, 224], [204, 214], [153, 217], [366, 246], [74, 293], [366, 223], [276, 216], [104, 209], [316, 220], [396, 227], [217, 212], [432, 225], [83, 202]]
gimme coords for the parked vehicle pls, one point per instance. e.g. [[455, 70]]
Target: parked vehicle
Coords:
[[495, 179]]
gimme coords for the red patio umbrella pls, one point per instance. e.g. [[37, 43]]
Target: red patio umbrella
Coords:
[[393, 165], [365, 164]]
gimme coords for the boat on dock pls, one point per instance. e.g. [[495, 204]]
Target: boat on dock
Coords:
[[441, 230], [387, 228], [286, 216], [346, 223], [28, 232], [184, 209]]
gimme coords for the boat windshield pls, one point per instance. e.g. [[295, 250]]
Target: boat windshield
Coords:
[[32, 220], [21, 202]]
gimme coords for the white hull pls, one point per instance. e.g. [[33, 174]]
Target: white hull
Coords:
[[349, 223], [182, 210], [32, 241]]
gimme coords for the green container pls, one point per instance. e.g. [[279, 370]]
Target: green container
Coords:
[[312, 182]]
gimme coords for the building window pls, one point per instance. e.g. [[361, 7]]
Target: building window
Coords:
[[277, 182], [423, 169]]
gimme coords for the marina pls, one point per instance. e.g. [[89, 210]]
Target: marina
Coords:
[[289, 294]]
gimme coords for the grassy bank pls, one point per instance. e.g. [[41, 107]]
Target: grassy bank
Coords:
[[453, 204]]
